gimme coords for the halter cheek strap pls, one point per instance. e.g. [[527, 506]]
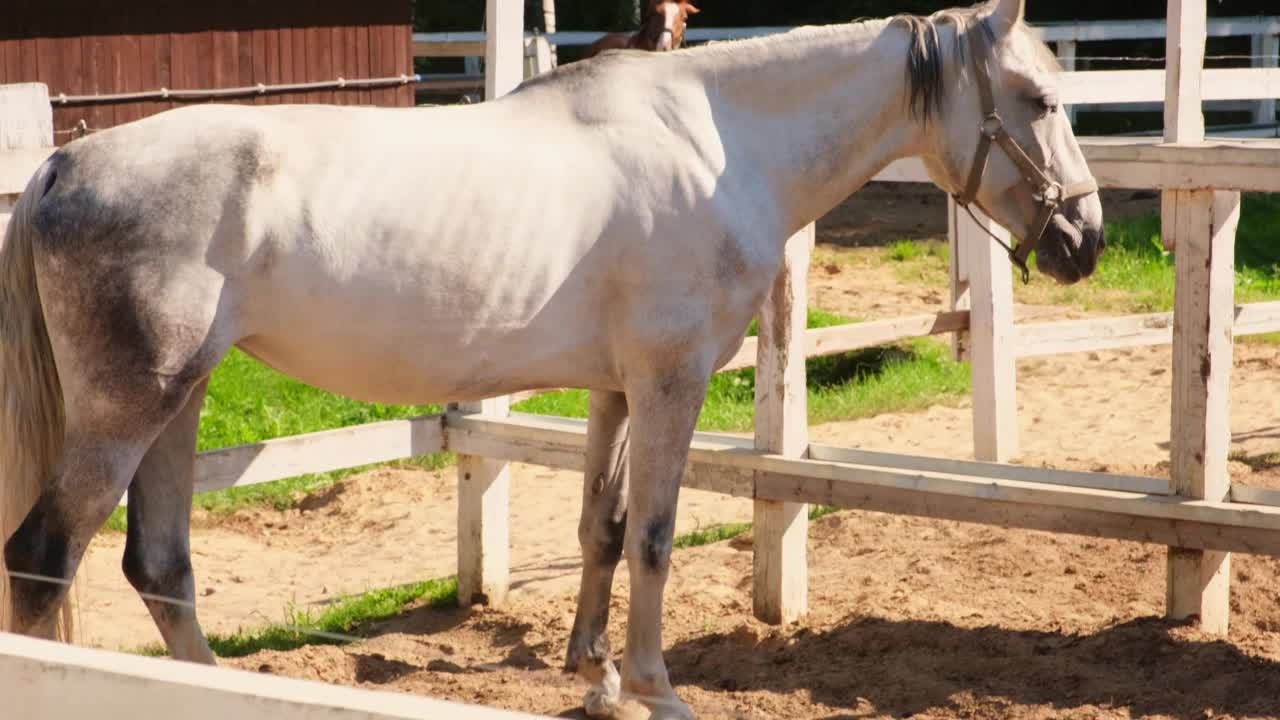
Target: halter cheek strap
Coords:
[[1047, 192]]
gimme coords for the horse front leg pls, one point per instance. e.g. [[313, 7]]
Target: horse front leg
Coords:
[[664, 411], [600, 531]]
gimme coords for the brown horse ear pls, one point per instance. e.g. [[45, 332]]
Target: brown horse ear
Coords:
[[690, 8]]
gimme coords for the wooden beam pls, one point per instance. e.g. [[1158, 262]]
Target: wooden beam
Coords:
[[1198, 581], [318, 452], [56, 681], [484, 491], [837, 339], [780, 576], [1109, 333], [730, 465], [991, 338], [504, 47]]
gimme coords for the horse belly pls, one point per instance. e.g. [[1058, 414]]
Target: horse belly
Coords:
[[390, 354]]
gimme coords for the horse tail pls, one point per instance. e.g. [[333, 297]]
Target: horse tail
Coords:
[[31, 410]]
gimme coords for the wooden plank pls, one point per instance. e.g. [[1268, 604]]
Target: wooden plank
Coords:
[[1053, 506], [1000, 471], [402, 95], [270, 62], [18, 164], [27, 127], [504, 47], [362, 61], [1067, 336], [780, 569], [1198, 581], [1092, 334], [1184, 62], [991, 337], [56, 681], [483, 509], [318, 452], [837, 339]]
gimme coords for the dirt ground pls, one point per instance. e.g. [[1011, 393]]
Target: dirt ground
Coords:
[[908, 617]]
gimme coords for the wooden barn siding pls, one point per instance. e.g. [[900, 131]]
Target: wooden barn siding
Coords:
[[82, 47]]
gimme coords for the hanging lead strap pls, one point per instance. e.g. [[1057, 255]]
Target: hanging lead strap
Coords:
[[1017, 258]]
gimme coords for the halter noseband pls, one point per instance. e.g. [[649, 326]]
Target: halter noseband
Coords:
[[1046, 191]]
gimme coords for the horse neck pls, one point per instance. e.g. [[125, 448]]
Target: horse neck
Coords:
[[820, 111]]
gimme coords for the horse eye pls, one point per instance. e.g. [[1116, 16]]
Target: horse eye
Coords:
[[1048, 103]]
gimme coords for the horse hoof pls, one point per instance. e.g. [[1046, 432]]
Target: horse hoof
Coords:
[[602, 705], [671, 709]]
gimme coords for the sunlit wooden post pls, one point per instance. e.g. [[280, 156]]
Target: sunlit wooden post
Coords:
[[780, 531], [1200, 227], [982, 283], [484, 484]]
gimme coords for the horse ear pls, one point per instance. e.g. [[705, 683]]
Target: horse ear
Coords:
[[1006, 14], [689, 7]]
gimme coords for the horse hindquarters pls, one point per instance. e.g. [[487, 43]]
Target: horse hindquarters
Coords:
[[129, 331]]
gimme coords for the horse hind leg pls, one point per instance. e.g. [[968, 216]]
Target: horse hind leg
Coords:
[[600, 532], [43, 554], [157, 554]]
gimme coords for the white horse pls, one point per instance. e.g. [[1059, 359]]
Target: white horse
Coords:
[[612, 225]]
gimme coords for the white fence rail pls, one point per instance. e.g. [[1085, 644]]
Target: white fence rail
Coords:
[[1147, 94]]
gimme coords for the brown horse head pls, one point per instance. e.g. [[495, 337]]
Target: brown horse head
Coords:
[[661, 28]]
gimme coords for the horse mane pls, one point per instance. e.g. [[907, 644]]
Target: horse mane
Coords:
[[926, 66]]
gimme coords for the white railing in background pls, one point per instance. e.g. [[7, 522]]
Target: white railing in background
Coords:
[[1146, 94]]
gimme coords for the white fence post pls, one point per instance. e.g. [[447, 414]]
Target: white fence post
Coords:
[[1265, 50], [26, 136], [1204, 307], [781, 573], [483, 484], [990, 344], [503, 47], [1198, 581], [1067, 59], [484, 490]]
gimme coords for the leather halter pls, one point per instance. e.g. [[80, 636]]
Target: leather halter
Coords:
[[1046, 191]]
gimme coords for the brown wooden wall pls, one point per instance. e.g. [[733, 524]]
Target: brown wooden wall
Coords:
[[85, 47]]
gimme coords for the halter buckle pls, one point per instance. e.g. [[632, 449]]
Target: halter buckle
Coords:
[[1050, 194], [991, 125]]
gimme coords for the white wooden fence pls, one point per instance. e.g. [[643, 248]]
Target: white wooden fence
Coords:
[[1263, 32], [1200, 515]]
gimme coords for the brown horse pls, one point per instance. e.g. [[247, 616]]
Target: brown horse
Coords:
[[661, 29]]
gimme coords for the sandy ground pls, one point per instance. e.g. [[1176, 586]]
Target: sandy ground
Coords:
[[910, 617]]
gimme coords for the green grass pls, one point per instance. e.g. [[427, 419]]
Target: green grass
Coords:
[[249, 402], [905, 376], [332, 625], [1135, 274]]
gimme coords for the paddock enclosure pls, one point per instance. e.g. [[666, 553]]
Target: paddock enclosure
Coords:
[[1198, 513]]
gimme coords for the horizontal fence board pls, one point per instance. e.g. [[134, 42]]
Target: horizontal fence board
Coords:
[[978, 497], [57, 681], [1091, 334], [461, 44], [318, 452], [856, 336]]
